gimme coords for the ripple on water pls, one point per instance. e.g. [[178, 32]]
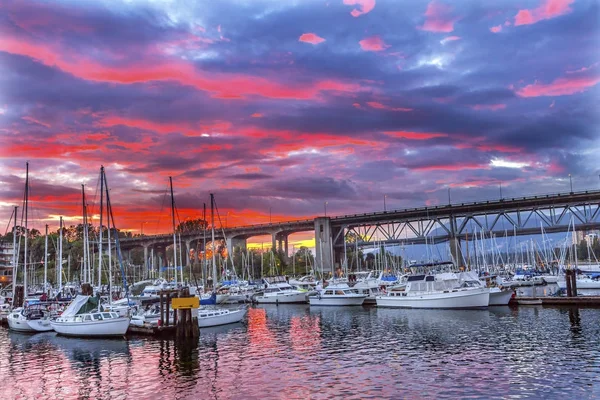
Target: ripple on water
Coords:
[[299, 352]]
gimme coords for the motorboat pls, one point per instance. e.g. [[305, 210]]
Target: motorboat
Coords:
[[306, 282], [499, 295], [279, 292], [208, 317], [366, 284], [436, 291], [337, 294], [82, 318]]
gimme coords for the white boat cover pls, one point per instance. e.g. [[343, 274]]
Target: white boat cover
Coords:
[[75, 305]]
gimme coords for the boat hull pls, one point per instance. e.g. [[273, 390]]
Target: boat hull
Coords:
[[224, 319], [500, 297], [110, 327], [476, 298], [40, 325], [18, 324], [282, 298], [336, 301]]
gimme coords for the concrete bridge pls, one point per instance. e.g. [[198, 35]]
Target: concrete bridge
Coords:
[[451, 222]]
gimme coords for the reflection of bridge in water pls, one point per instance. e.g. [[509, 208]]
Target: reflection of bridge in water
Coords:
[[451, 222]]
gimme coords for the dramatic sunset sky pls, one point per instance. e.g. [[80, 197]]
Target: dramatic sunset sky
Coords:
[[280, 106]]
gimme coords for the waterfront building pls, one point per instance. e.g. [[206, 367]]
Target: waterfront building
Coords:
[[6, 267]]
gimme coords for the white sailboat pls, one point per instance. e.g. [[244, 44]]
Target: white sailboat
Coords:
[[82, 319], [17, 321]]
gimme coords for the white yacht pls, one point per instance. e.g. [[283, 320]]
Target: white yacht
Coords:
[[277, 292], [435, 291], [337, 294], [366, 284], [499, 296], [306, 282], [82, 319], [208, 317]]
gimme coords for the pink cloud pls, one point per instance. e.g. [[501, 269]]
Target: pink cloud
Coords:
[[491, 107], [438, 18], [311, 38], [219, 85], [375, 104], [560, 87], [496, 28], [449, 39], [257, 115], [415, 135], [362, 6], [373, 43], [548, 9]]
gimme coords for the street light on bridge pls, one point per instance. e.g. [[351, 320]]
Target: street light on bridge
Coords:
[[384, 206], [325, 205], [142, 228], [571, 183]]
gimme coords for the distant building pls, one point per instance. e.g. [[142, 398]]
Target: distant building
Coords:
[[6, 259], [588, 236]]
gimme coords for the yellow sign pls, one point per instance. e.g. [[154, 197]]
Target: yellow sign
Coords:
[[185, 302]]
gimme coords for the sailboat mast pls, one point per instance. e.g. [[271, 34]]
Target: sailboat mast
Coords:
[[84, 270], [46, 261], [174, 235], [100, 233], [15, 255], [26, 230], [109, 249], [212, 224], [204, 271], [60, 249]]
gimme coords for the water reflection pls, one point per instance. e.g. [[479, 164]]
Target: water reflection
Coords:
[[303, 352]]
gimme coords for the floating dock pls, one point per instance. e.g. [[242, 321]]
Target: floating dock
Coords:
[[584, 301]]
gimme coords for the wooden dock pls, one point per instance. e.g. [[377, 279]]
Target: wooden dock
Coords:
[[147, 330], [583, 301]]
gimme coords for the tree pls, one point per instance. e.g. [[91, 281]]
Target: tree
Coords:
[[191, 225]]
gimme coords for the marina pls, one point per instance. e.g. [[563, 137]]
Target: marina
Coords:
[[543, 352], [347, 199]]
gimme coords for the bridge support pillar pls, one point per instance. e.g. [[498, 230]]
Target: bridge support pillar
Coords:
[[286, 246], [323, 246], [145, 264], [234, 242], [274, 242], [188, 246]]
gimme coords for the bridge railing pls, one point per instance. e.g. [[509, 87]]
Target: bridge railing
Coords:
[[415, 209]]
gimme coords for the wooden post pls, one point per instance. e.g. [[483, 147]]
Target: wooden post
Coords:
[[19, 296], [168, 307], [574, 283], [162, 308], [568, 274]]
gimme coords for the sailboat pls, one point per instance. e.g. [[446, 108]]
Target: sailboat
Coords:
[[208, 317], [17, 319], [83, 317]]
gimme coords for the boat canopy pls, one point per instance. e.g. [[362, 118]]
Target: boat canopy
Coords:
[[80, 305]]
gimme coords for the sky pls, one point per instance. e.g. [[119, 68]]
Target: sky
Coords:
[[290, 109]]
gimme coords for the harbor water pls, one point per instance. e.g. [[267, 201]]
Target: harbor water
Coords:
[[299, 352]]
